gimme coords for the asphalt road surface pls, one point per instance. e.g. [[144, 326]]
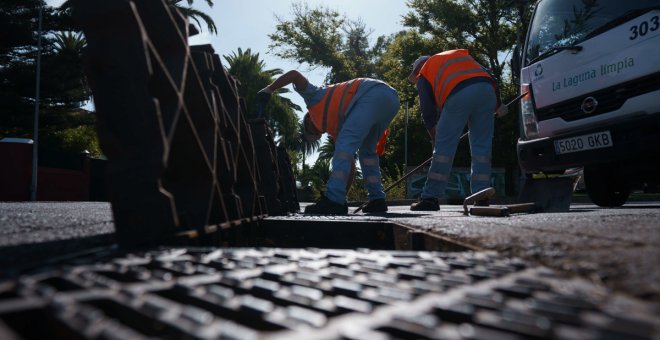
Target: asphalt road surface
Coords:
[[618, 248], [589, 273]]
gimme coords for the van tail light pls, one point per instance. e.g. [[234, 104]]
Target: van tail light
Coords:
[[527, 114]]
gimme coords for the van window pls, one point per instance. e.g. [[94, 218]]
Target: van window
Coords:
[[561, 23]]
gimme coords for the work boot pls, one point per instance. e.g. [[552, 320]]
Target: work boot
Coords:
[[375, 206], [426, 204], [326, 207]]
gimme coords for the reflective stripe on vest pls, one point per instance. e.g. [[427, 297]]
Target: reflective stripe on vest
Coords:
[[329, 113], [447, 69]]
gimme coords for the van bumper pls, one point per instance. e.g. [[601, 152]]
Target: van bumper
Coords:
[[635, 140]]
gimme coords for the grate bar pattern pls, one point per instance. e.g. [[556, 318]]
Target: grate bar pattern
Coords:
[[205, 293]]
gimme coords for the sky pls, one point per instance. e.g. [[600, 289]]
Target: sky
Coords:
[[247, 23], [248, 26]]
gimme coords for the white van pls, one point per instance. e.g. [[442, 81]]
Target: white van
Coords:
[[591, 69]]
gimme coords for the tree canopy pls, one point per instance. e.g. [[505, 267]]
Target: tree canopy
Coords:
[[318, 37], [485, 28], [321, 37], [64, 125], [63, 89], [250, 70]]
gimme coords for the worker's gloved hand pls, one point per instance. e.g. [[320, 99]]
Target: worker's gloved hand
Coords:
[[501, 111], [263, 96]]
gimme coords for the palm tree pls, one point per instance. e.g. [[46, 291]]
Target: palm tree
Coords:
[[69, 41], [64, 64], [301, 145], [195, 14], [187, 11], [251, 71], [327, 149], [320, 173]]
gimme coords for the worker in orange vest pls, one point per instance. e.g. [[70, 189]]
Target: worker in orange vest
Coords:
[[455, 90], [355, 114]]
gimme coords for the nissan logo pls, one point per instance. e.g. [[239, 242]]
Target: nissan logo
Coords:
[[589, 105]]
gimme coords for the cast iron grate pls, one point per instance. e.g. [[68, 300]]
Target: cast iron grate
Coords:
[[312, 293]]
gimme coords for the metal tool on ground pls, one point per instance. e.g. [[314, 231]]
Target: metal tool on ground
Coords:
[[476, 197], [503, 210], [547, 193], [496, 211], [522, 208], [479, 197], [490, 211]]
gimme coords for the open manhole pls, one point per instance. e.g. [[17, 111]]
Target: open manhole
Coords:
[[345, 233]]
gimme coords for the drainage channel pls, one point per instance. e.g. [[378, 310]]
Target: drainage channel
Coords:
[[343, 233]]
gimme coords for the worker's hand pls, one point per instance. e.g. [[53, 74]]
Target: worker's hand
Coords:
[[501, 111], [263, 96]]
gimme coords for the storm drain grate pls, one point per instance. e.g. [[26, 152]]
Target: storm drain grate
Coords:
[[312, 293]]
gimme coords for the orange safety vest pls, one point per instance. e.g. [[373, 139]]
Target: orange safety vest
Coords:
[[447, 69], [328, 114]]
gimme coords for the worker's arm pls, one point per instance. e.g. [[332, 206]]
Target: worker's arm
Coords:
[[427, 105], [292, 77]]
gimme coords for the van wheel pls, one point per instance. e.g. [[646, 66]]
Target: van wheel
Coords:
[[605, 187]]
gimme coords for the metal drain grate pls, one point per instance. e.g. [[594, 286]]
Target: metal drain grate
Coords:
[[311, 293]]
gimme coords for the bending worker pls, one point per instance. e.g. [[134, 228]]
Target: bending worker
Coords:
[[355, 114], [453, 84]]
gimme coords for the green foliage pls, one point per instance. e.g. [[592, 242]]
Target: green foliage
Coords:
[[319, 175], [396, 61], [419, 142], [73, 140], [321, 37], [195, 15], [485, 28], [358, 192], [69, 42], [62, 90], [327, 149], [398, 191], [300, 144], [280, 111]]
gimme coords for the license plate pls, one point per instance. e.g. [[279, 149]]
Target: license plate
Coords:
[[585, 142]]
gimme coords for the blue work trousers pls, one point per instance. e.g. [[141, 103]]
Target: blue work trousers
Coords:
[[370, 116], [473, 105]]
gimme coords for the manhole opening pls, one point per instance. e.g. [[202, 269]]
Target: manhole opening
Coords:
[[283, 233]]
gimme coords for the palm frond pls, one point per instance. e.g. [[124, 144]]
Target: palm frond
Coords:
[[195, 14]]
